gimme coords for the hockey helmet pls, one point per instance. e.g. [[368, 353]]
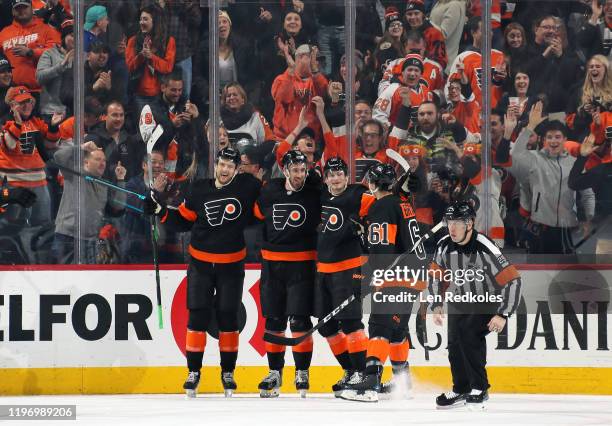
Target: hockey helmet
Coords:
[[335, 164], [382, 176], [230, 154]]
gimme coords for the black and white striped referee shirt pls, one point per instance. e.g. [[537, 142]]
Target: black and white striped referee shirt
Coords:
[[485, 258]]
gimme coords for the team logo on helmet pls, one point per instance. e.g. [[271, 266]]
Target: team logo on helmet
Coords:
[[332, 218], [288, 214], [224, 209]]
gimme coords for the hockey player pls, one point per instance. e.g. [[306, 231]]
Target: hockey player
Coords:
[[339, 261], [291, 210], [469, 323], [392, 229], [216, 211]]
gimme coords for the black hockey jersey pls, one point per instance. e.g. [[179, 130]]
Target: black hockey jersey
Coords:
[[393, 230], [217, 218], [290, 220], [338, 248]]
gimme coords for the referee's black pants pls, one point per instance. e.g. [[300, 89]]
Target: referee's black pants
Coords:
[[467, 346]]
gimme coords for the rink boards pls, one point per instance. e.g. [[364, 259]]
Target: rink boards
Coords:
[[94, 330]]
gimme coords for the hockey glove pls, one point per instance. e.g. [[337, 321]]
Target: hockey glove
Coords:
[[152, 205], [22, 196], [359, 230]]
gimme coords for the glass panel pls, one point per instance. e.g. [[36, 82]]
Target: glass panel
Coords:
[[555, 201], [36, 65]]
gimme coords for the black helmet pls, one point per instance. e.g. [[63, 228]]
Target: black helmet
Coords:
[[293, 157], [460, 210], [382, 175], [335, 164], [230, 154]]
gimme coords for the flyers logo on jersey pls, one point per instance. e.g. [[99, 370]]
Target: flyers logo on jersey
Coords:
[[288, 214], [332, 218], [218, 211]]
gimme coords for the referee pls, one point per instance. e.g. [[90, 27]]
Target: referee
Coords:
[[491, 278]]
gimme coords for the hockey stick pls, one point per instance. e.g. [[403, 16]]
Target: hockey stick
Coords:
[[397, 157], [292, 341], [96, 180], [150, 133]]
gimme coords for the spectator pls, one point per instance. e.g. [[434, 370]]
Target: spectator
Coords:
[[389, 102], [272, 56], [97, 201], [96, 24], [464, 111], [551, 68], [553, 203], [51, 65], [149, 55], [389, 48], [236, 62], [240, 118], [519, 100], [368, 26], [443, 141], [295, 89], [6, 80], [415, 19], [251, 163], [184, 19], [433, 73], [22, 153], [515, 48], [594, 36], [449, 17], [470, 62], [24, 41], [330, 35], [597, 178], [181, 121], [590, 95], [135, 226], [118, 145]]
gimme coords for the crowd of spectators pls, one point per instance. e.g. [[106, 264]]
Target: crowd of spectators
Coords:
[[283, 76]]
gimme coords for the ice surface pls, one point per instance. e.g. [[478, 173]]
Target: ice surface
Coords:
[[322, 409]]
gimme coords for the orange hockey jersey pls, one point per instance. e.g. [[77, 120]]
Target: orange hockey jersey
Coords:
[[472, 62]]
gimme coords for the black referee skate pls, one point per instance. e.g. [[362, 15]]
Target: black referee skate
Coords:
[[228, 382], [191, 384], [341, 384], [270, 385], [364, 390], [451, 400], [302, 382], [475, 400]]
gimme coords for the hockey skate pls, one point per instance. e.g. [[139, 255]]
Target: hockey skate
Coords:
[[270, 385], [302, 382], [228, 382], [340, 384], [398, 387], [476, 399], [451, 400], [191, 384], [365, 390]]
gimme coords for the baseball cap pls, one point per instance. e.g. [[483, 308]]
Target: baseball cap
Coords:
[[93, 15], [16, 3], [303, 49], [99, 46], [5, 65], [17, 94]]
